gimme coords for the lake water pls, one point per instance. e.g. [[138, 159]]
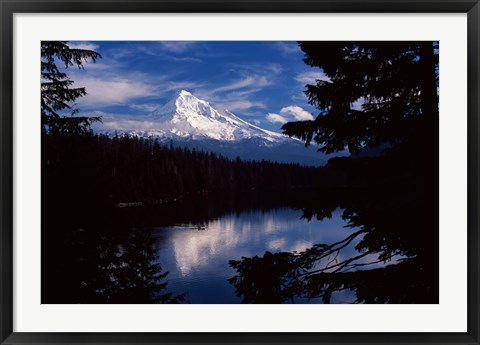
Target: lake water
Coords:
[[117, 260], [197, 255]]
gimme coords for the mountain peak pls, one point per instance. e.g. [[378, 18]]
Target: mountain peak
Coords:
[[185, 115], [185, 98], [184, 93], [181, 99]]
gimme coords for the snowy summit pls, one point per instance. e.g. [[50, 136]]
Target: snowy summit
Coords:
[[187, 116]]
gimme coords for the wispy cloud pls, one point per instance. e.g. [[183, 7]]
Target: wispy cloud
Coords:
[[239, 105], [255, 81], [243, 94], [179, 58], [299, 97], [101, 92], [145, 107], [171, 85], [83, 45], [239, 94], [122, 122], [231, 100], [178, 46], [172, 51], [311, 77], [287, 47], [271, 69], [114, 83], [113, 80]]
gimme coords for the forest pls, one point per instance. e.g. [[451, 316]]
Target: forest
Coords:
[[130, 169]]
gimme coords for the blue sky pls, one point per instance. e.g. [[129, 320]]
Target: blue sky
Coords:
[[260, 81]]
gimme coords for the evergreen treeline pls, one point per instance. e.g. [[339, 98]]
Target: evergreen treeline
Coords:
[[125, 169]]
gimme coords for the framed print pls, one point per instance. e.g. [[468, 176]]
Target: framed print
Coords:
[[239, 172]]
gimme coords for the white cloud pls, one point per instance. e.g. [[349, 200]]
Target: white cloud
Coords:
[[169, 50], [290, 113], [250, 81], [311, 77], [112, 83], [147, 107], [109, 86], [122, 122], [299, 97], [298, 113], [257, 69], [238, 105], [288, 47], [128, 125], [242, 94], [112, 91], [168, 86], [239, 94], [82, 45], [178, 46], [273, 68], [179, 59], [276, 118], [232, 101], [97, 66]]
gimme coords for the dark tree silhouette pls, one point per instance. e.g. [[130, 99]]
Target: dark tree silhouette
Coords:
[[391, 227], [137, 275], [390, 199], [103, 265], [56, 87], [395, 83]]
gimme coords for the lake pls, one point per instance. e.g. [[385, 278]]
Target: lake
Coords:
[[196, 255], [248, 248]]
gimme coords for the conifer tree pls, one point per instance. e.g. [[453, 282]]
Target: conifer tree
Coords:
[[395, 83], [57, 89]]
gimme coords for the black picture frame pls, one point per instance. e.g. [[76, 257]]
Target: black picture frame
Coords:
[[9, 7]]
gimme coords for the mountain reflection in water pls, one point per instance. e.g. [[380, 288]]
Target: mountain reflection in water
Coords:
[[197, 260], [210, 251]]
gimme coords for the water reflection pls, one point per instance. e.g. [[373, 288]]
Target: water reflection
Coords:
[[198, 260], [267, 254], [104, 267], [390, 255]]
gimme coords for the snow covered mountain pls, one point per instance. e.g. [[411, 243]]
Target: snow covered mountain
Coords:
[[186, 116], [190, 122]]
